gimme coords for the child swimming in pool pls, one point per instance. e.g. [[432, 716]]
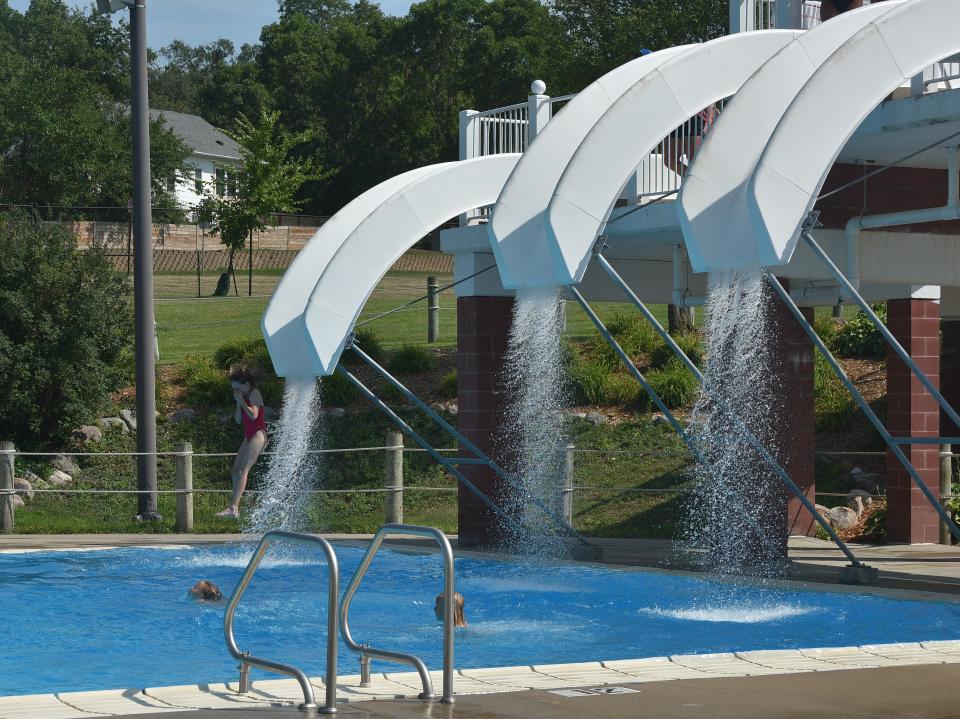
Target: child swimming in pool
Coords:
[[459, 619], [206, 591]]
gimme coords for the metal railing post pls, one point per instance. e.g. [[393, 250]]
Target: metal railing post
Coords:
[[393, 478], [7, 454], [184, 486], [566, 492], [946, 485], [433, 310]]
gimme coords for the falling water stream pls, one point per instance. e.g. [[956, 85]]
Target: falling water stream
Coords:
[[534, 436], [283, 500]]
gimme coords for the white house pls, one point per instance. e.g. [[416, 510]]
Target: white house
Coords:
[[214, 158]]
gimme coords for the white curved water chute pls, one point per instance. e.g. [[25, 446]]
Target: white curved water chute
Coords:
[[712, 204], [832, 104], [517, 232], [281, 324], [631, 129], [346, 280]]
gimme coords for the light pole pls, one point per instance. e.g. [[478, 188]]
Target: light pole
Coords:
[[142, 259]]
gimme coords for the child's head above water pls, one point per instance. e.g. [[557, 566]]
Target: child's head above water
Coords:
[[206, 591], [459, 619]]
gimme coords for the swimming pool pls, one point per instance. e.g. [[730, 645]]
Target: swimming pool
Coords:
[[121, 618]]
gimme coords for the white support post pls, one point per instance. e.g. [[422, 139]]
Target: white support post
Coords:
[[469, 148], [740, 20], [539, 109]]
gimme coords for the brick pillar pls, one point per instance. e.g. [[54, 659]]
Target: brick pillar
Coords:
[[483, 329], [793, 365], [912, 412]]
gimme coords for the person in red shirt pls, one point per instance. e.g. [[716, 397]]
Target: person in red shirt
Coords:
[[249, 413]]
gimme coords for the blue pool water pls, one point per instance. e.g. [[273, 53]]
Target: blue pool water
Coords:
[[122, 618]]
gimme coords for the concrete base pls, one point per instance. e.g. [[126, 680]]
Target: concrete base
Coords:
[[859, 575]]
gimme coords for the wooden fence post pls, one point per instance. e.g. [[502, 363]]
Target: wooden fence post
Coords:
[[7, 453], [393, 478], [566, 496], [184, 459]]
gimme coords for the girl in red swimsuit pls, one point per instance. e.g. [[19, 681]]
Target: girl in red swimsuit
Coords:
[[249, 413]]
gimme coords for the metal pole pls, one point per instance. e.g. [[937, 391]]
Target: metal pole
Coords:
[[7, 454], [393, 478], [946, 482], [143, 268], [184, 522], [433, 310], [250, 267]]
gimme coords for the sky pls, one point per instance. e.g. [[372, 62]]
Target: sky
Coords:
[[200, 21]]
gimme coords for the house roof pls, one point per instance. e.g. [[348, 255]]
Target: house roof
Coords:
[[199, 135]]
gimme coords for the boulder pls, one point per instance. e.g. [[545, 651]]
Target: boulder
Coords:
[[111, 422], [596, 419], [865, 499], [24, 486], [186, 414], [17, 502], [823, 511], [578, 415], [30, 477], [338, 412], [87, 433], [129, 418], [659, 420], [59, 479], [843, 518], [65, 463], [856, 504]]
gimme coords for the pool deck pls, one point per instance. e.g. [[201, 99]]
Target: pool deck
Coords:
[[891, 680]]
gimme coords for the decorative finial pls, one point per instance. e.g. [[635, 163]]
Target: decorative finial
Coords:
[[538, 87]]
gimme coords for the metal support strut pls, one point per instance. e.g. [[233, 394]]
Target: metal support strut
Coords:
[[246, 660], [367, 652], [561, 525], [742, 428]]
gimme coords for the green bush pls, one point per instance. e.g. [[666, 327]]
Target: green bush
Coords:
[[588, 381], [827, 328], [674, 383], [410, 359], [66, 332], [337, 391], [633, 333], [205, 386], [448, 385], [622, 389], [859, 338], [690, 342], [251, 353], [834, 406], [366, 340]]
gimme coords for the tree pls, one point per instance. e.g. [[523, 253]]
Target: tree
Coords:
[[268, 182], [66, 331]]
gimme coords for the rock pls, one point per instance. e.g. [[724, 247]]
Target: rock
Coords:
[[65, 463], [59, 479], [129, 419], [596, 419], [17, 502], [338, 412], [659, 420], [578, 415], [453, 408], [24, 486], [185, 414], [111, 422], [843, 518], [87, 433], [856, 504], [269, 414], [823, 512], [865, 499]]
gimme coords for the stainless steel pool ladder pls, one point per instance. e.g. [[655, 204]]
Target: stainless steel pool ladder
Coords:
[[367, 652], [247, 660]]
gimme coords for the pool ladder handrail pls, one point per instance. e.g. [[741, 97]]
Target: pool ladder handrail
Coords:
[[247, 660], [367, 652]]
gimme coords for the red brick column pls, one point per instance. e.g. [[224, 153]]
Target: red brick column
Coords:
[[483, 330], [912, 412]]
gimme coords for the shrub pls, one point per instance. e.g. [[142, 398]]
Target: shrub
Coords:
[[448, 385], [633, 333], [588, 380], [834, 406], [674, 383], [366, 340], [859, 338], [337, 391], [66, 331], [827, 328], [690, 342], [410, 359], [622, 389], [204, 384], [250, 352]]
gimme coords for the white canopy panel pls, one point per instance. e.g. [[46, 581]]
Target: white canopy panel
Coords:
[[364, 257], [827, 111], [632, 127], [712, 205], [517, 231], [281, 325]]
